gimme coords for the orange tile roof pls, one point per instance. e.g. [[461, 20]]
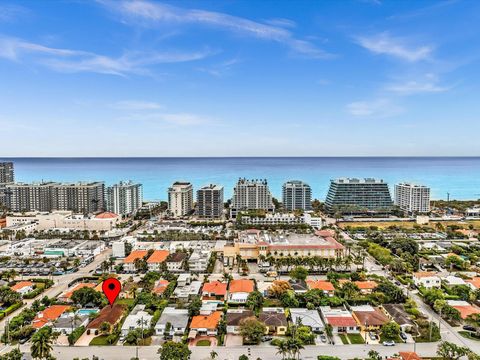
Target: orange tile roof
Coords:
[[20, 285], [475, 282], [320, 285], [79, 286], [424, 274], [206, 321], [160, 286], [215, 287], [48, 315], [366, 285], [409, 355], [241, 285], [158, 256], [134, 255], [466, 310]]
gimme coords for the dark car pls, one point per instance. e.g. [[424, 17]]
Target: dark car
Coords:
[[403, 336], [469, 328]]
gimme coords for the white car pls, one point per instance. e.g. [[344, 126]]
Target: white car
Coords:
[[389, 343]]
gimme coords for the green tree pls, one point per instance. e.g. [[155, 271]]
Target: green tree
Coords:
[[174, 351], [194, 306], [133, 337], [252, 330], [391, 330], [299, 273], [254, 301], [14, 354], [42, 343], [450, 351], [213, 355], [374, 355], [243, 357], [105, 328], [86, 296]]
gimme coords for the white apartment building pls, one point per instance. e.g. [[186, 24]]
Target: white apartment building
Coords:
[[427, 279], [251, 195], [124, 198], [296, 195], [180, 198], [412, 198]]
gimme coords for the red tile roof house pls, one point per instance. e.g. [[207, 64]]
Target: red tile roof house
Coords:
[[49, 315], [340, 319], [23, 287], [239, 290], [325, 286], [156, 259], [205, 325], [160, 286], [214, 290], [464, 307], [129, 261], [112, 315]]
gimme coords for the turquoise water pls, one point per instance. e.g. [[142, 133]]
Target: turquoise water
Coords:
[[460, 176], [86, 311]]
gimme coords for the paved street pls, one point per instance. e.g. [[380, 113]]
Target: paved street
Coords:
[[233, 353]]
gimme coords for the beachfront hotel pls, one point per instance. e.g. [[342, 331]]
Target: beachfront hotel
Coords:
[[124, 198], [358, 196]]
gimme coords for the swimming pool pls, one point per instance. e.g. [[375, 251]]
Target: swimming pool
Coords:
[[86, 311]]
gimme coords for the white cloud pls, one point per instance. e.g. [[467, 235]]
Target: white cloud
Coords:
[[379, 108], [66, 60], [154, 13], [385, 44], [429, 84], [136, 105], [9, 12], [180, 119]]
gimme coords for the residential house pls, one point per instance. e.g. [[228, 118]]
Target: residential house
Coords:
[[397, 313], [66, 296], [187, 292], [366, 287], [369, 318], [155, 260], [298, 286], [129, 261], [234, 317], [409, 355], [137, 319], [49, 315], [160, 286], [68, 322], [310, 318], [452, 280], [474, 283], [109, 314], [340, 319], [239, 290], [184, 279], [205, 325], [198, 261], [23, 287], [214, 290], [208, 307], [178, 320], [275, 320], [263, 287], [426, 279], [464, 308], [325, 286], [175, 261]]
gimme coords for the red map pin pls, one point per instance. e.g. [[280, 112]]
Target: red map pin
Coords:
[[111, 288]]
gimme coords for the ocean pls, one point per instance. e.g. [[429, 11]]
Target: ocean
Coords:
[[459, 176]]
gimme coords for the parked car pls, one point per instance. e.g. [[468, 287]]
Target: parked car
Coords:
[[323, 338], [469, 328], [389, 343], [372, 335], [403, 336], [267, 338]]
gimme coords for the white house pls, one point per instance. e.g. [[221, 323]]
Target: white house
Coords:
[[310, 318], [178, 319], [427, 279], [137, 319]]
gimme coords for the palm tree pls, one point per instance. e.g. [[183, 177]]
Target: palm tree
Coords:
[[213, 355], [41, 345], [283, 349]]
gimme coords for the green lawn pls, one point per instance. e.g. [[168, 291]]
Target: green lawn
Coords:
[[99, 340], [469, 335], [356, 339], [127, 302], [203, 343], [344, 339]]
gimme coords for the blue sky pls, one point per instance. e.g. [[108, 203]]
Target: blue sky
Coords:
[[239, 78]]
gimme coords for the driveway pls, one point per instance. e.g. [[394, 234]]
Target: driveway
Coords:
[[233, 340]]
